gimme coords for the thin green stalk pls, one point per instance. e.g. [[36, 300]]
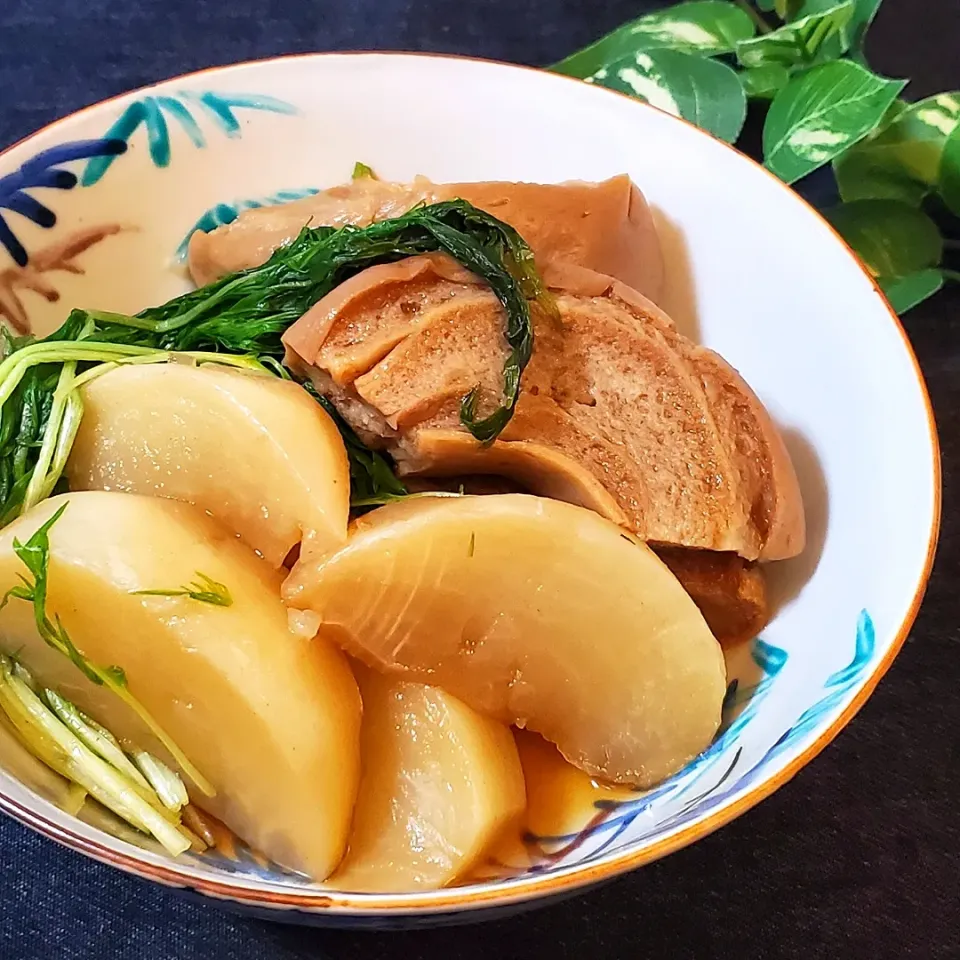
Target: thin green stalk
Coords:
[[754, 14], [35, 555], [38, 480], [69, 427], [57, 746]]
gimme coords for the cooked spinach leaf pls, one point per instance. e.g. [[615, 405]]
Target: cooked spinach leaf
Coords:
[[362, 172], [240, 320], [204, 590], [248, 312]]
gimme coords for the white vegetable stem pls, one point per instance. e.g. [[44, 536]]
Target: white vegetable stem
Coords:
[[54, 743]]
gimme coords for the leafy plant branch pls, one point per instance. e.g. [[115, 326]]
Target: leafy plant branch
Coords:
[[800, 67]]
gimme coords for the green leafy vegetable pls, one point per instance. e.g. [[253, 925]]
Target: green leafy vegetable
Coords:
[[239, 320], [362, 172], [57, 734], [950, 171], [902, 160], [892, 238], [167, 785], [906, 292], [97, 738], [705, 92], [763, 83], [35, 555], [41, 408], [821, 113], [706, 27], [204, 589], [248, 312], [813, 39]]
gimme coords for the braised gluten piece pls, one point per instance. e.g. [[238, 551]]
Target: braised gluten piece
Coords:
[[618, 412], [605, 226]]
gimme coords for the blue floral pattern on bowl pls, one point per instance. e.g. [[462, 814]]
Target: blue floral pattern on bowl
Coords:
[[151, 112], [46, 170], [221, 214], [50, 169]]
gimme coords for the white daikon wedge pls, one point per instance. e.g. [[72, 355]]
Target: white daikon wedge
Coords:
[[256, 452], [270, 719], [534, 612], [440, 784]]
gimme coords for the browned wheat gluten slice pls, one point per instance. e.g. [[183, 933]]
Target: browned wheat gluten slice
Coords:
[[618, 411], [605, 226]]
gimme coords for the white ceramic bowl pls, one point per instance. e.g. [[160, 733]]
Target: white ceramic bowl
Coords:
[[752, 271]]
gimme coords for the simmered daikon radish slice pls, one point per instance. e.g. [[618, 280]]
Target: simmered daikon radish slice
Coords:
[[534, 612], [440, 783], [256, 452], [270, 719]]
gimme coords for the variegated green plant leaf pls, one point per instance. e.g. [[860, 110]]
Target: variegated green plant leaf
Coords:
[[813, 39], [892, 238], [863, 16], [904, 293], [902, 160], [706, 27], [763, 83], [821, 113], [807, 7], [950, 171], [705, 92], [787, 9]]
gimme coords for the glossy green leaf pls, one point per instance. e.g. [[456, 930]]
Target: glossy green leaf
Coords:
[[821, 113], [763, 83], [766, 5], [787, 9], [950, 172], [892, 238], [859, 179], [895, 109], [863, 15], [707, 27], [812, 39], [902, 160], [904, 293], [808, 7], [862, 18], [705, 92]]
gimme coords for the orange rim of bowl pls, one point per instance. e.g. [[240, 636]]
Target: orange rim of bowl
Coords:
[[525, 888]]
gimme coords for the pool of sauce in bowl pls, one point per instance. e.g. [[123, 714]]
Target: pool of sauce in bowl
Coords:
[[560, 801], [561, 798]]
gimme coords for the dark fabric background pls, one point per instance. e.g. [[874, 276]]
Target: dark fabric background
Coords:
[[859, 856]]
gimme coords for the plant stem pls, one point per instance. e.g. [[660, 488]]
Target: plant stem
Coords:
[[754, 14], [953, 275]]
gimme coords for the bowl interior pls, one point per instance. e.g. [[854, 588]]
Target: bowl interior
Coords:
[[752, 272]]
